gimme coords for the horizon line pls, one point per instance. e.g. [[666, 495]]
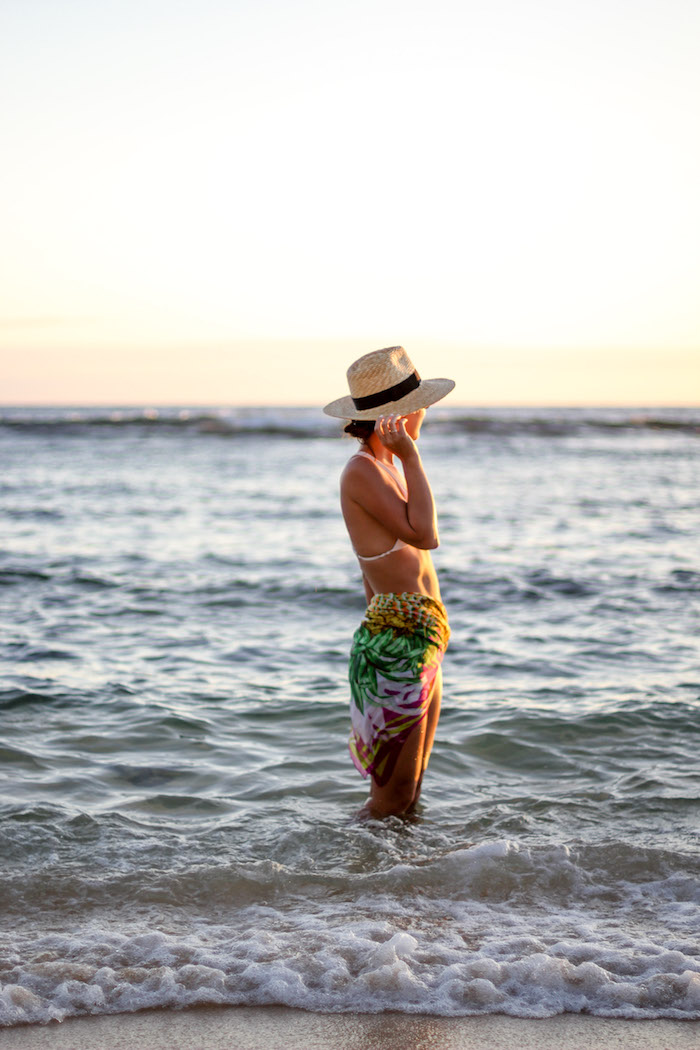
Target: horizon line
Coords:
[[311, 405]]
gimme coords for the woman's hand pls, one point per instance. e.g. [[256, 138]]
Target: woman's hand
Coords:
[[393, 435]]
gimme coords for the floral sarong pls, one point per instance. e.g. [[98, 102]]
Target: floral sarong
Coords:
[[395, 656]]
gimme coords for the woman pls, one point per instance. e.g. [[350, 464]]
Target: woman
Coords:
[[395, 676]]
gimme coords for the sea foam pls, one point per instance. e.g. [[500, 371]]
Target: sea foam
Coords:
[[538, 943]]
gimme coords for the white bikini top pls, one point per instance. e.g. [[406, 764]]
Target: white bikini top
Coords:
[[404, 491]]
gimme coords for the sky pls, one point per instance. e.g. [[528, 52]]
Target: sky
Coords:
[[218, 201]]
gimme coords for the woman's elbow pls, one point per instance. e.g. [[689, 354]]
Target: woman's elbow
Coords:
[[427, 543], [426, 539]]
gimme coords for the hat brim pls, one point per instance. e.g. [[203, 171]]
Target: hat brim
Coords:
[[429, 391]]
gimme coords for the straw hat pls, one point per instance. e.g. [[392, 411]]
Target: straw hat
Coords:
[[384, 382]]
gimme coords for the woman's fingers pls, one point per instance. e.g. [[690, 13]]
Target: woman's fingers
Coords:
[[392, 424], [392, 432], [386, 428]]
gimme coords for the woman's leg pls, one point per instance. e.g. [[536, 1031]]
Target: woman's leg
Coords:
[[397, 795], [402, 790], [433, 716], [431, 725]]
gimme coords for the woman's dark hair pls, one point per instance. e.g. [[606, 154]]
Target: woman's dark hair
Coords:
[[360, 428]]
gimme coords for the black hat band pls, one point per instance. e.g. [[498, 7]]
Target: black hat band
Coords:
[[393, 393]]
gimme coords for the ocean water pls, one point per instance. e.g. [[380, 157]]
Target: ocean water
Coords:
[[177, 598]]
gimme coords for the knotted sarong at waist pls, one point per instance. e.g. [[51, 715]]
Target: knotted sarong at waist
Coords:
[[395, 656]]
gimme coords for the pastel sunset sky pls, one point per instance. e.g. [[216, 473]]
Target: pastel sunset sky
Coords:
[[226, 201]]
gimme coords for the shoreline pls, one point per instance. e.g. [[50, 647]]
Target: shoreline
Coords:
[[270, 1027]]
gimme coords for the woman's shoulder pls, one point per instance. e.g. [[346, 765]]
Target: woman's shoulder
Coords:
[[356, 465], [366, 478], [359, 471], [359, 463]]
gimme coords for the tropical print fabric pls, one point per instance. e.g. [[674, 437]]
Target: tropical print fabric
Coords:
[[396, 653]]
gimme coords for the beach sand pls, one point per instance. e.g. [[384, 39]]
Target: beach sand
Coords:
[[269, 1028]]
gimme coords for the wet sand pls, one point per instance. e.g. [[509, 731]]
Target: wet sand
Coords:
[[273, 1028]]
